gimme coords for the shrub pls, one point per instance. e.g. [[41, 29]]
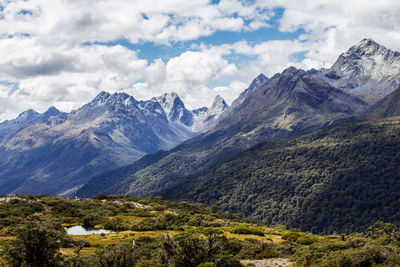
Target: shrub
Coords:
[[227, 261], [242, 230], [148, 263], [305, 240], [207, 264], [36, 244], [291, 236]]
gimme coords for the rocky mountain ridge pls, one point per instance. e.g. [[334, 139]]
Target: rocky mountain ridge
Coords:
[[367, 69], [289, 103], [41, 151]]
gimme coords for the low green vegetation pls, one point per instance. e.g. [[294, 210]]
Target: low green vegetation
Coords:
[[153, 232]]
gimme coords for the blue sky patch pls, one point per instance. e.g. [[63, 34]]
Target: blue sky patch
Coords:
[[13, 86]]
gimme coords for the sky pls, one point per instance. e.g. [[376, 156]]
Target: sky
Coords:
[[62, 53]]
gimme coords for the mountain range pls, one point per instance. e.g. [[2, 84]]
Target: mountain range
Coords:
[[56, 153], [289, 103], [286, 143]]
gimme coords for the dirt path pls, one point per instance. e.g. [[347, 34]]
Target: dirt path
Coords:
[[273, 262]]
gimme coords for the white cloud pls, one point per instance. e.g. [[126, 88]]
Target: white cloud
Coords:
[[67, 21], [186, 74], [52, 66], [333, 26]]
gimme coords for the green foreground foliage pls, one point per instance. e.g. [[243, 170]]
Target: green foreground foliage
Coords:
[[153, 232]]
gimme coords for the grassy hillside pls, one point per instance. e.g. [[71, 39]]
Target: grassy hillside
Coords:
[[338, 179], [166, 233]]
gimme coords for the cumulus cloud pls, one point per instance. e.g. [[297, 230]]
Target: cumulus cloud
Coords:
[[52, 49], [49, 48], [141, 20], [333, 26]]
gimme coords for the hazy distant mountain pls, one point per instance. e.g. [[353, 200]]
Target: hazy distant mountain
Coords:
[[367, 69], [206, 118], [56, 153], [175, 109], [199, 120], [10, 127]]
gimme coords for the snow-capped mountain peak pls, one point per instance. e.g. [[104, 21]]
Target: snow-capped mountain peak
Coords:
[[27, 115], [100, 98], [366, 46], [367, 69], [260, 80], [175, 109], [218, 106], [167, 100], [206, 118]]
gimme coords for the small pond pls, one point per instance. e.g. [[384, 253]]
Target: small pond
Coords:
[[79, 230]]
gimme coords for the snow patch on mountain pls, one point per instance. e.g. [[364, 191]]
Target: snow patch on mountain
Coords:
[[367, 69], [207, 118], [195, 121]]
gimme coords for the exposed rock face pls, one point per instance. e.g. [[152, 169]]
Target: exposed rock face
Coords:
[[198, 120], [175, 109], [255, 84], [207, 118], [367, 69], [294, 100]]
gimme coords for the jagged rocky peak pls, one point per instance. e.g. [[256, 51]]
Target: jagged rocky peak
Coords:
[[255, 84], [27, 115], [365, 46], [175, 108], [365, 60], [260, 80], [219, 105], [51, 111], [169, 101], [206, 118], [101, 97], [369, 47], [115, 101], [121, 98]]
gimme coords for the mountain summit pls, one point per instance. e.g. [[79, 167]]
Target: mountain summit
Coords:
[[175, 109], [255, 84], [367, 69]]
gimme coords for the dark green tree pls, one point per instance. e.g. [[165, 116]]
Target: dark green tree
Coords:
[[118, 256], [36, 244]]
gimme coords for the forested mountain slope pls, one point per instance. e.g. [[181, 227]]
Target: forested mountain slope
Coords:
[[338, 179]]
